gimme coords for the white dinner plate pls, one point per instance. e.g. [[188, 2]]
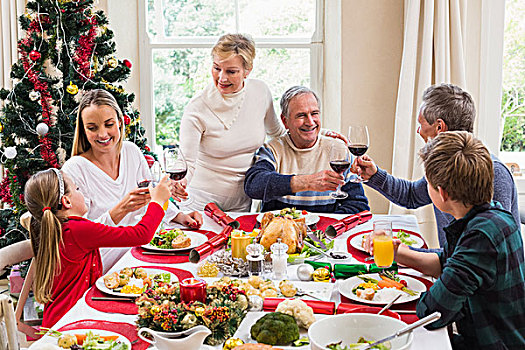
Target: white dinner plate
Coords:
[[102, 287], [53, 340], [309, 219], [243, 332], [346, 286], [358, 239], [196, 240]]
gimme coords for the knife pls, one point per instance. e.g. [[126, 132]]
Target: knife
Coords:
[[112, 299], [317, 249], [407, 329], [167, 253], [315, 238]]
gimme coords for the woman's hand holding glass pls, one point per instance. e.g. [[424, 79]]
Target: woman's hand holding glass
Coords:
[[161, 193]]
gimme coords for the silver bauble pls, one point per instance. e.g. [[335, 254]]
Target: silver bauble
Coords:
[[304, 272], [255, 302], [34, 95], [10, 152], [42, 129]]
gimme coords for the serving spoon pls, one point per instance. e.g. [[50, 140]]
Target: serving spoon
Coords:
[[430, 318], [387, 306]]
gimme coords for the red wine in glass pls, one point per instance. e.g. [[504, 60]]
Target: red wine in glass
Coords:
[[339, 166], [177, 175], [175, 165], [339, 163], [358, 142], [357, 149], [143, 183]]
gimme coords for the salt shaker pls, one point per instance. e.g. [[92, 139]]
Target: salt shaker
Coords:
[[255, 259], [279, 259]]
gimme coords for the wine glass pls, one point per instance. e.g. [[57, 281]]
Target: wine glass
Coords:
[[339, 163], [383, 244], [358, 142], [175, 165]]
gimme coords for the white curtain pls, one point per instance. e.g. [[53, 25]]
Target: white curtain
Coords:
[[10, 32], [434, 51]]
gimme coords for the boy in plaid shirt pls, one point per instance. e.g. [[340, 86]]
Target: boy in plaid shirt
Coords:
[[481, 273]]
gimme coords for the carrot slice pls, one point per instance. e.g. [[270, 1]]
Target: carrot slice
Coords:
[[394, 283], [109, 337], [80, 338]]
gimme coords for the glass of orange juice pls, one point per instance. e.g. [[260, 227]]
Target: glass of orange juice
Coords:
[[240, 241], [383, 244]]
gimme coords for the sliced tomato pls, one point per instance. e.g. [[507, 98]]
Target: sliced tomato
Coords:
[[304, 212], [80, 338]]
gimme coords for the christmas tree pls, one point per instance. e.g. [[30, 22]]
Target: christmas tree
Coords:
[[67, 48]]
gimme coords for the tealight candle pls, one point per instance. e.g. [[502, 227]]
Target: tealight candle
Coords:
[[193, 289]]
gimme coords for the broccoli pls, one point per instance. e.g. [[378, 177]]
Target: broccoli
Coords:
[[275, 328]]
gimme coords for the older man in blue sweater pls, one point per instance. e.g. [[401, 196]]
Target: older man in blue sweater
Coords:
[[445, 107], [293, 170]]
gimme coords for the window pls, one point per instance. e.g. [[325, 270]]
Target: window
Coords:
[[513, 99], [176, 41]]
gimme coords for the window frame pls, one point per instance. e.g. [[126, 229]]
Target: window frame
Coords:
[[147, 45]]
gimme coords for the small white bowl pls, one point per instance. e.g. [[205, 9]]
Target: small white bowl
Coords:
[[348, 328]]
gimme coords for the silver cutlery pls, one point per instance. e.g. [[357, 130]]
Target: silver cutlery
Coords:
[[387, 306]]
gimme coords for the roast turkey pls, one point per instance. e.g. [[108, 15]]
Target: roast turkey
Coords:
[[291, 232]]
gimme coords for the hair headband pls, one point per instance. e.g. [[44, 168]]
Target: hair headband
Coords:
[[61, 185]]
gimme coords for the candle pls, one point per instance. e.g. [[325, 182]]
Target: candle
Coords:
[[193, 289]]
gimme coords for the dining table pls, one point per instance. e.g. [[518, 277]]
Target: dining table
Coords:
[[423, 338]]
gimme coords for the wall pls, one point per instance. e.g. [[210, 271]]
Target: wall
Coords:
[[123, 21], [371, 47]]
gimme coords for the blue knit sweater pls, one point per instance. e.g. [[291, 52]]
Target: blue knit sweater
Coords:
[[414, 194]]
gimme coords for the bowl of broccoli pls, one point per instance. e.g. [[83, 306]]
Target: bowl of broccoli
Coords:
[[275, 328]]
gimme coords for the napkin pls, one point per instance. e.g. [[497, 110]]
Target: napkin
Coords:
[[349, 270], [223, 219], [343, 225], [319, 307]]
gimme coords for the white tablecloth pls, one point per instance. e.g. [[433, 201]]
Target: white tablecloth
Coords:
[[423, 339]]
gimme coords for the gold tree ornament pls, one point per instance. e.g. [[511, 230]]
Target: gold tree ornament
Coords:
[[1, 127], [232, 343], [72, 88], [199, 311], [113, 62]]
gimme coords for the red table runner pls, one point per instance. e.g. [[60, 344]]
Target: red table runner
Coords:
[[137, 253], [408, 318], [126, 307], [126, 329], [362, 255], [247, 222]]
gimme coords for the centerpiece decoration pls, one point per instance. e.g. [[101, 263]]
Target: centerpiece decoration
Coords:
[[162, 309]]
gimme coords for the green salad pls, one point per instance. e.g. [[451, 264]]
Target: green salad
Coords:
[[358, 345], [405, 238], [291, 213], [164, 238]]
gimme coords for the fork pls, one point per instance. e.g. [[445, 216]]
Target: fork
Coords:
[[301, 293]]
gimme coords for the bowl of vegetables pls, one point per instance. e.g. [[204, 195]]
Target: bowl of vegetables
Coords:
[[347, 331]]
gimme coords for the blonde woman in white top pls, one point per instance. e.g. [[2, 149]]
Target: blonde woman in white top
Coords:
[[224, 125]]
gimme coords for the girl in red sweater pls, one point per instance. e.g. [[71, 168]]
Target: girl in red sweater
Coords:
[[66, 246]]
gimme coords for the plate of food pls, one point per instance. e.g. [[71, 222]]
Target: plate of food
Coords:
[[378, 289], [131, 282], [86, 339], [174, 240], [406, 237], [292, 213]]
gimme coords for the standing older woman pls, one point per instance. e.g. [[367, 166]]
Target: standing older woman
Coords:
[[107, 169], [224, 125]]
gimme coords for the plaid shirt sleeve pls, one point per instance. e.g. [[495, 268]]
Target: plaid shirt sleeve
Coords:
[[470, 267]]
